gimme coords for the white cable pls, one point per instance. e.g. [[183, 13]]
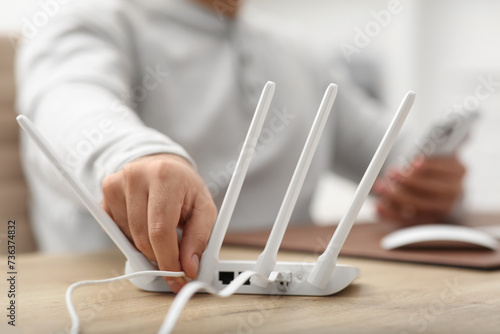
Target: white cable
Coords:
[[179, 302], [192, 287], [75, 321]]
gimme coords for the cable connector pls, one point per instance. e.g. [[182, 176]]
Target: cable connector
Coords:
[[281, 279]]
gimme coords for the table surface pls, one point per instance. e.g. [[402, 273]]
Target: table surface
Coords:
[[388, 297]]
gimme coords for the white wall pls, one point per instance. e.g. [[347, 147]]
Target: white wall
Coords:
[[459, 44], [12, 12]]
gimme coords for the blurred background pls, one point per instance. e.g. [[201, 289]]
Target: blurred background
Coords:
[[441, 49]]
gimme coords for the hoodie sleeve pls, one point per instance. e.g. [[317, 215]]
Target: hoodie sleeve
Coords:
[[76, 79]]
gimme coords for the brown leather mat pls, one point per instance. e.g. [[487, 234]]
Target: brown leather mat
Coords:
[[364, 242]]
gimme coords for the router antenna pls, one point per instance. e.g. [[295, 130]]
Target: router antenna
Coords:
[[137, 261], [210, 257], [325, 265], [267, 259]]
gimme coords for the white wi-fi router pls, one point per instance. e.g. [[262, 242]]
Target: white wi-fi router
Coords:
[[325, 277]]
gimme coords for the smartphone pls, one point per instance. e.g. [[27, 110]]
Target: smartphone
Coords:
[[446, 136]]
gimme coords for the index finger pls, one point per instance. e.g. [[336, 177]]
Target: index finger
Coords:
[[442, 166]]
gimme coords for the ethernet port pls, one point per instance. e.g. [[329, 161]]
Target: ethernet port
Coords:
[[247, 282], [226, 277]]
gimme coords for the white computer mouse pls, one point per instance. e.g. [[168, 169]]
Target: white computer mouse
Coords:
[[428, 234]]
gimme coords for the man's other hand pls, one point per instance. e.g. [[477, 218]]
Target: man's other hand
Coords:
[[425, 193]]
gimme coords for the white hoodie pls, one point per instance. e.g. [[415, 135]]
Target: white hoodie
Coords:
[[110, 81]]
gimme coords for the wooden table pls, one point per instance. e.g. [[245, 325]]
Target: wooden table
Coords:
[[388, 297]]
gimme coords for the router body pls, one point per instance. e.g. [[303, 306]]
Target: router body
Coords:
[[293, 280]]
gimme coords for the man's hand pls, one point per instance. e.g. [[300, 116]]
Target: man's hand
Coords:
[[425, 193], [152, 196]]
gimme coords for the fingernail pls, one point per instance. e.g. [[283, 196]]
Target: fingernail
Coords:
[[196, 262], [174, 286]]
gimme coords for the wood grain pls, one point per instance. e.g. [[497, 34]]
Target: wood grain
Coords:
[[387, 298]]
